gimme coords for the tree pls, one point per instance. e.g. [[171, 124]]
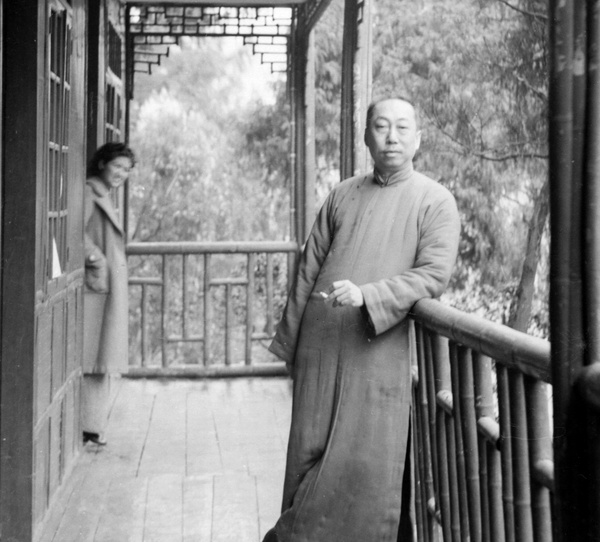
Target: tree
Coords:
[[478, 73], [202, 164]]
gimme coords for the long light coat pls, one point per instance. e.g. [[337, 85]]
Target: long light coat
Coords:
[[105, 299], [352, 375]]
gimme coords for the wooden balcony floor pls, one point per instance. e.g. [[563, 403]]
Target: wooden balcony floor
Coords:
[[186, 460]]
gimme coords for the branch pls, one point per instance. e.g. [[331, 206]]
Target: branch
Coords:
[[485, 155], [506, 157], [535, 15], [541, 93]]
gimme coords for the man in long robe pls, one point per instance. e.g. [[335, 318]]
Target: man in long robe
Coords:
[[381, 242]]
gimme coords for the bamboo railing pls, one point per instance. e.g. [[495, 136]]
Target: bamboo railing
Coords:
[[482, 438], [208, 304]]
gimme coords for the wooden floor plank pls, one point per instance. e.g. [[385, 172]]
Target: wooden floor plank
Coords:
[[164, 451], [197, 509], [123, 516], [203, 455], [235, 509], [164, 509], [186, 460], [63, 501], [128, 426], [269, 490], [87, 502]]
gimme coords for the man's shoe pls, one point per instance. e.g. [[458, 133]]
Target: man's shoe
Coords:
[[271, 536]]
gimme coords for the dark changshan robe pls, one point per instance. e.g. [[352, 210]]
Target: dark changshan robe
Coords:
[[352, 376]]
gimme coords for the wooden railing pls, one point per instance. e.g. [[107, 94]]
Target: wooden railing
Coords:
[[482, 434], [481, 419], [206, 309]]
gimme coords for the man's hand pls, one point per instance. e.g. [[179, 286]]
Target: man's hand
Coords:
[[343, 293]]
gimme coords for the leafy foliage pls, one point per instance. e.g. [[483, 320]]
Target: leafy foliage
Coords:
[[202, 164], [477, 72], [214, 158]]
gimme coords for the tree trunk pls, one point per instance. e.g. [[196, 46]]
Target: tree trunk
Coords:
[[520, 309]]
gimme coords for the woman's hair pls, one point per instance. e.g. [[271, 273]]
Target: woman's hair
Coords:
[[106, 153]]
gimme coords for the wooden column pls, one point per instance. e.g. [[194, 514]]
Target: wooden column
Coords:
[[22, 173], [309, 143], [297, 89], [356, 86], [574, 180], [95, 76]]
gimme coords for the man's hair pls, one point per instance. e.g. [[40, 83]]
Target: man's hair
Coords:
[[107, 153], [372, 105]]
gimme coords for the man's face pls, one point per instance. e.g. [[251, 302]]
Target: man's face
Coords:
[[392, 135]]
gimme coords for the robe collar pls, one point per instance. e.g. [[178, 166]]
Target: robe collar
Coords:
[[103, 200], [402, 174]]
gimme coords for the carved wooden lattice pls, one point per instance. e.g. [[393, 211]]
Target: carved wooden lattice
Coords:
[[154, 29]]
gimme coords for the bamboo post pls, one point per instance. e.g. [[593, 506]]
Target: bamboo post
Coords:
[[453, 480], [431, 410], [144, 324], [520, 453], [459, 448], [592, 267], [441, 378], [469, 428], [184, 295], [228, 322], [163, 312], [420, 498], [560, 175], [251, 265], [424, 433], [269, 287], [506, 451], [493, 516], [207, 311], [540, 452]]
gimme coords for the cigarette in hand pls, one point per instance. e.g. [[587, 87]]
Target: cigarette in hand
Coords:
[[323, 295]]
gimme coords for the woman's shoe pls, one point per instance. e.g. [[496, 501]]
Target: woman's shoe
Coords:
[[94, 437]]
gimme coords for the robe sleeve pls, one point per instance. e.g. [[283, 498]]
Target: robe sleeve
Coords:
[[311, 260], [96, 266], [388, 301]]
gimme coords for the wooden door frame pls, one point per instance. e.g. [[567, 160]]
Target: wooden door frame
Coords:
[[23, 38]]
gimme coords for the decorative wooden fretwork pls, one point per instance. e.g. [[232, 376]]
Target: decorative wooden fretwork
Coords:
[[59, 95], [154, 28]]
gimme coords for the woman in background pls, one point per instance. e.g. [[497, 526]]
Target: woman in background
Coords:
[[105, 298]]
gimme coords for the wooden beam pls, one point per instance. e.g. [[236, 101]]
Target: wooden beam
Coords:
[[220, 3]]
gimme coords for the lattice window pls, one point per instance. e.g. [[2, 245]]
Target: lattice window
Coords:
[[59, 98], [114, 51], [114, 113], [114, 87]]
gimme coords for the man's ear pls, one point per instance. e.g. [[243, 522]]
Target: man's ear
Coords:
[[418, 140]]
